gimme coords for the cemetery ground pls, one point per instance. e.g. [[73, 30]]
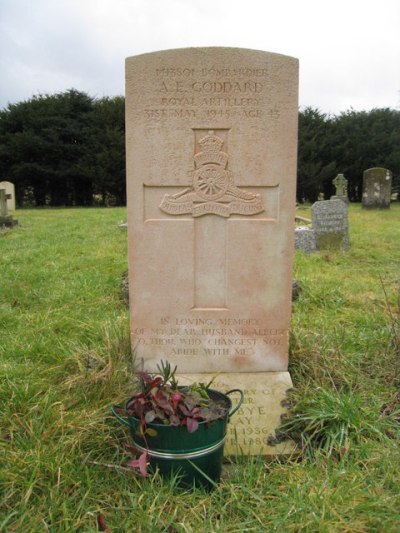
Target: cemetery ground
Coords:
[[65, 357]]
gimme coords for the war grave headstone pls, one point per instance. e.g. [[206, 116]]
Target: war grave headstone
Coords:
[[211, 175], [6, 220], [10, 192], [377, 188], [340, 183], [330, 225]]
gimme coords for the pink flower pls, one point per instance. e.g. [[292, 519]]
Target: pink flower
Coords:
[[176, 397], [139, 464], [191, 424]]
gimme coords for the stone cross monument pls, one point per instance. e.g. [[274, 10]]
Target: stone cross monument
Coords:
[[340, 184], [5, 218]]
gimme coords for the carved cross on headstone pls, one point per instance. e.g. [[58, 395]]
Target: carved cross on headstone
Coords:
[[213, 192], [340, 183], [3, 202]]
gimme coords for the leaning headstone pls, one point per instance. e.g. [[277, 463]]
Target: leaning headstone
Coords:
[[6, 220], [10, 192], [330, 224], [211, 176], [340, 184], [304, 239], [377, 188]]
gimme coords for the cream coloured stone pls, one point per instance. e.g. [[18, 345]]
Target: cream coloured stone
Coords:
[[251, 430], [211, 171], [10, 192]]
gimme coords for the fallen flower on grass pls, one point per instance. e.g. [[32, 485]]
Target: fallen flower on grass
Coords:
[[139, 464]]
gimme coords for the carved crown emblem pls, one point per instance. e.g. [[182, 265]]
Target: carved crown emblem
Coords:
[[213, 190], [211, 146]]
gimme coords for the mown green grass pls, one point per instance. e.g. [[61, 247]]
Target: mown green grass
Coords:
[[65, 357]]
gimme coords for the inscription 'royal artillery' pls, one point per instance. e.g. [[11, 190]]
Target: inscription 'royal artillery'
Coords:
[[213, 190]]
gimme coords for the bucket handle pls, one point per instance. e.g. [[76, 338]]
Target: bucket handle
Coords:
[[113, 407], [240, 400]]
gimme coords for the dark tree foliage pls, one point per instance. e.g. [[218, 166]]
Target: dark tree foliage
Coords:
[[64, 150], [366, 139], [69, 149], [348, 144], [315, 167], [106, 153]]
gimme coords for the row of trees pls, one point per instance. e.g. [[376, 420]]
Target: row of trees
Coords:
[[69, 149], [65, 149], [348, 144]]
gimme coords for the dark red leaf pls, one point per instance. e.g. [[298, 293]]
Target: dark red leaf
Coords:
[[184, 410], [101, 523]]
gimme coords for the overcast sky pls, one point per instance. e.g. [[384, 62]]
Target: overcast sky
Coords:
[[349, 50]]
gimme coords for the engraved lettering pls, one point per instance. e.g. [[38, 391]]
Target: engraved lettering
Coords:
[[226, 86]]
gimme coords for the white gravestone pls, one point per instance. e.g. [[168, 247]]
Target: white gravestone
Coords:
[[211, 174]]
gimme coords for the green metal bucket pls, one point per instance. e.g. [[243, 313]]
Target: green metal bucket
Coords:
[[195, 457]]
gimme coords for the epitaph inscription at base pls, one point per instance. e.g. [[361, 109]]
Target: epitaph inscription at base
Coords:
[[251, 430]]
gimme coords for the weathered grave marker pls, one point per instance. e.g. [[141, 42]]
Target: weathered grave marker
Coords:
[[304, 239], [5, 218], [3, 203], [330, 225], [10, 192], [340, 183], [211, 167], [377, 188]]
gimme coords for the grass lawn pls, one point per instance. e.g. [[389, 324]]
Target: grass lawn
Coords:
[[65, 357]]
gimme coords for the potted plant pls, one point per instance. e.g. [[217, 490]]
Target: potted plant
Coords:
[[178, 429]]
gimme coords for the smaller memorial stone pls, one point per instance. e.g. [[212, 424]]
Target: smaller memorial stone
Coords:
[[5, 219], [304, 239], [330, 223], [340, 184], [377, 188], [10, 192]]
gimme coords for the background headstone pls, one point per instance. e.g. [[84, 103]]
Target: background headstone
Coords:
[[340, 183], [330, 224], [6, 220], [10, 192], [304, 239], [211, 176], [377, 188], [3, 203]]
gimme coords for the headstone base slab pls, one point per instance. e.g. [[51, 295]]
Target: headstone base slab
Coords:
[[253, 426]]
